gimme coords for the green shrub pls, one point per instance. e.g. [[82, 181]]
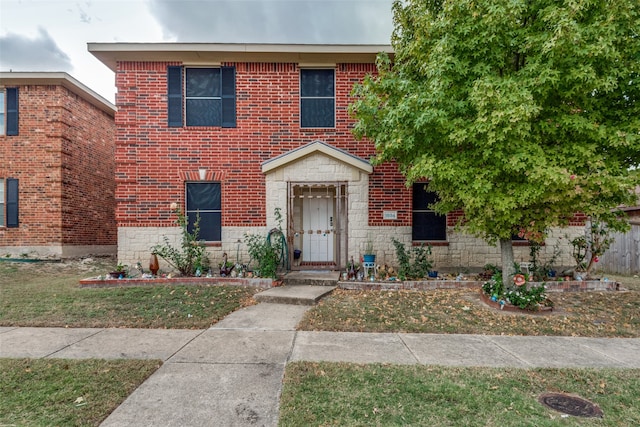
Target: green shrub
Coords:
[[413, 264], [191, 255], [268, 253]]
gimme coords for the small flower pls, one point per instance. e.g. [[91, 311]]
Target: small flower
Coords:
[[173, 206], [596, 259]]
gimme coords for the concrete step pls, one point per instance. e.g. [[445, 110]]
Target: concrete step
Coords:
[[297, 295], [311, 278]]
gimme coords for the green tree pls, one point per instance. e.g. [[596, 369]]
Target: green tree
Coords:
[[519, 112]]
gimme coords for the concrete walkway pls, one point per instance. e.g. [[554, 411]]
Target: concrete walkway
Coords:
[[231, 374]]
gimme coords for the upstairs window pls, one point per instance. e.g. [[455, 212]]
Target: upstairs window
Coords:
[[203, 200], [427, 224], [207, 96], [3, 113], [9, 112], [317, 98]]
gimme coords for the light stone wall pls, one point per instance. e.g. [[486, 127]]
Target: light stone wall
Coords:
[[135, 243], [466, 251], [463, 250], [322, 168]]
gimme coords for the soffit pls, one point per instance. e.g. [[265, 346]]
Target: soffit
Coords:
[[201, 53], [55, 78]]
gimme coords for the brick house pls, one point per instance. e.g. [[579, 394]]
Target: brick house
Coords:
[[57, 167], [234, 131]]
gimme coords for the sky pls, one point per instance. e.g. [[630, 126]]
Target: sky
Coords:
[[52, 35]]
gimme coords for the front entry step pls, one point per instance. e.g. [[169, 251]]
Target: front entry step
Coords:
[[312, 278], [297, 295]]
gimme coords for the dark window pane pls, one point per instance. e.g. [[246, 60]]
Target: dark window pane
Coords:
[[210, 225], [429, 226], [317, 83], [203, 82], [422, 198], [204, 112], [317, 113], [203, 196]]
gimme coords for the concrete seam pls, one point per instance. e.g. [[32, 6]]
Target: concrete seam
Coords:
[[183, 346], [515, 356], [409, 349], [605, 355], [73, 343]]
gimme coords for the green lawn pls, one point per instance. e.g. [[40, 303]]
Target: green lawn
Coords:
[[64, 392], [337, 394], [55, 392], [449, 311], [47, 294]]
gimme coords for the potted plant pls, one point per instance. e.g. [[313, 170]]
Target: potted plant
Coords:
[[119, 272], [369, 256]]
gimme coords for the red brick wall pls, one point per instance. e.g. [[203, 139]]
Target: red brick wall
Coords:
[[63, 157], [152, 157]]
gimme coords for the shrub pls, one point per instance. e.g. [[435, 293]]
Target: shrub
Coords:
[[266, 252], [413, 264], [191, 255]]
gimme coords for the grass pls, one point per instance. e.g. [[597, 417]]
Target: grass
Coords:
[[48, 392], [327, 394], [587, 314], [47, 294]]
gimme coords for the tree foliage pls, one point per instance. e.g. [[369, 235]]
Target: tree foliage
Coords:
[[519, 112]]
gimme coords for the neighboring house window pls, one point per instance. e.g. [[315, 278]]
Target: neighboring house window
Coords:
[[9, 113], [317, 98], [427, 224], [9, 203], [203, 199], [209, 96]]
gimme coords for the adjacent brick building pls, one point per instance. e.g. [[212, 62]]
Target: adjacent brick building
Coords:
[[57, 187], [235, 131]]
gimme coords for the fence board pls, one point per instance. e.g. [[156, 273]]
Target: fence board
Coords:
[[623, 257]]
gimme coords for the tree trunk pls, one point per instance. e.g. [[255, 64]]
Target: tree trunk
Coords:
[[506, 255]]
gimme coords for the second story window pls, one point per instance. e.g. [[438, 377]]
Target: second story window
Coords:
[[9, 112], [209, 97], [317, 98]]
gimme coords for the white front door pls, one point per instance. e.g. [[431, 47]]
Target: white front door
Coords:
[[318, 225]]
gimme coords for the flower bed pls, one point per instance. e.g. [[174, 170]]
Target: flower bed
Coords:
[[542, 309], [425, 285]]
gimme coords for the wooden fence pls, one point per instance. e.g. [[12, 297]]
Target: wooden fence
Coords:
[[623, 257]]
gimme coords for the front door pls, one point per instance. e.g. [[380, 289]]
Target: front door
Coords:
[[317, 221]]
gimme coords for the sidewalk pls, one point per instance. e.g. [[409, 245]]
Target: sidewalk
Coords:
[[231, 374]]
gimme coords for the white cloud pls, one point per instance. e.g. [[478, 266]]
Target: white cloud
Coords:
[[21, 53], [275, 21]]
